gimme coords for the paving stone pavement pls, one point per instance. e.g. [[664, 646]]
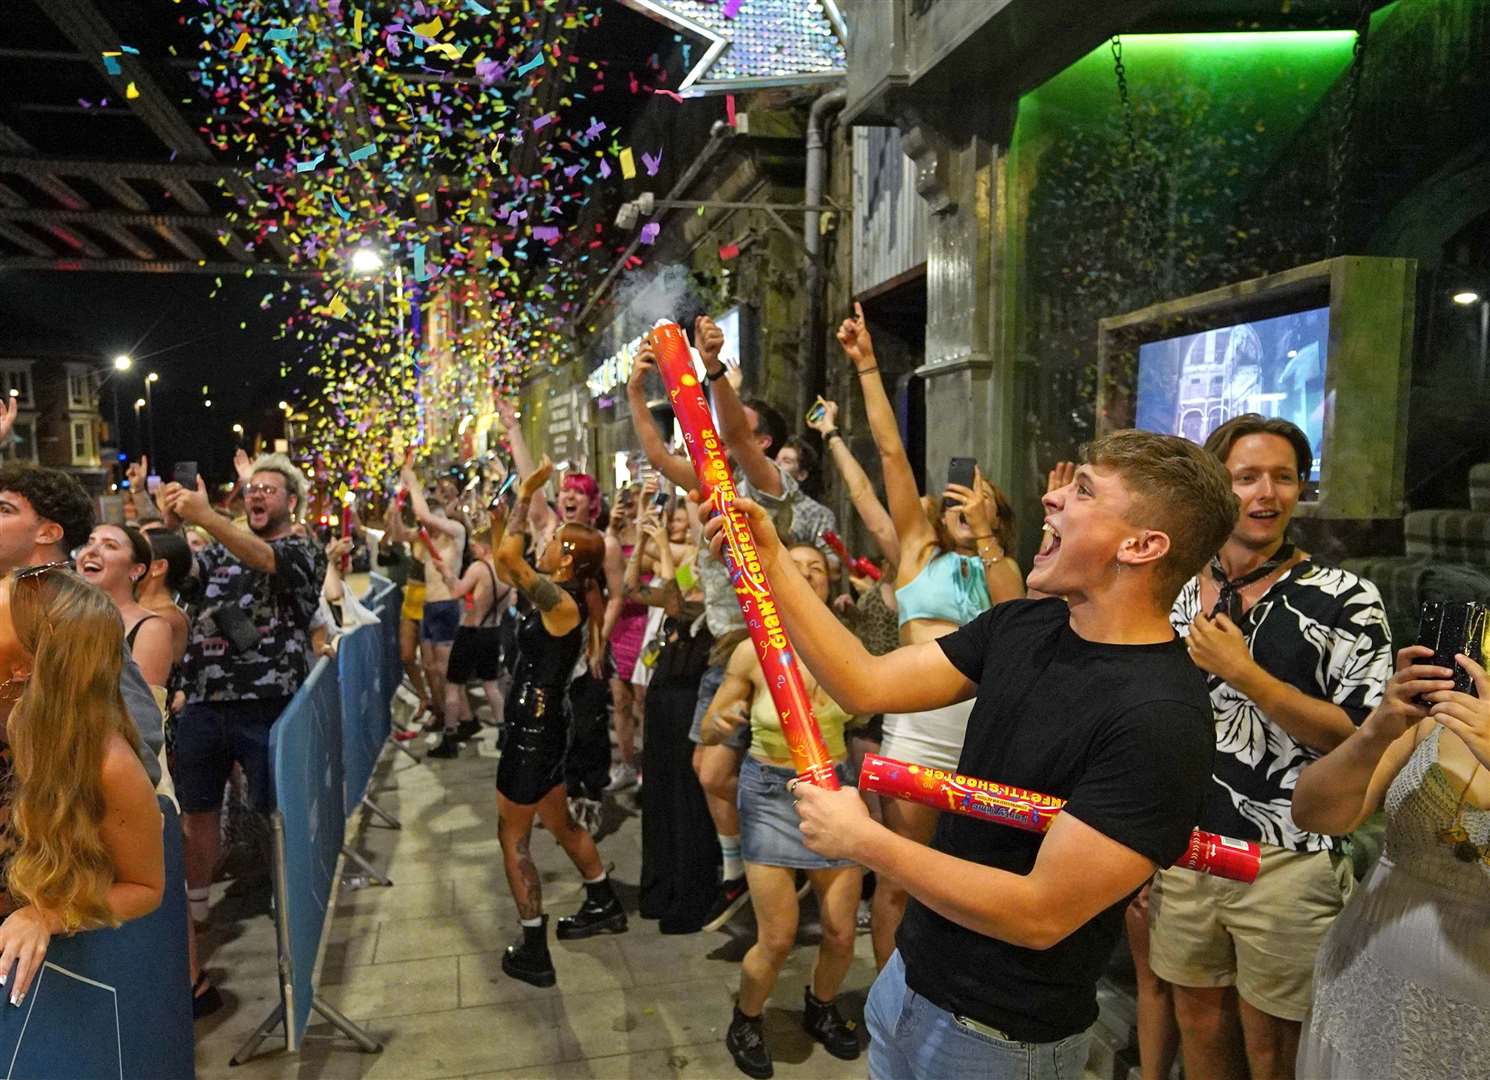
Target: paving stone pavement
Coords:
[[417, 965]]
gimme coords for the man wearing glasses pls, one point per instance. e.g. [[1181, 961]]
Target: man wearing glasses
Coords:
[[44, 515], [248, 653]]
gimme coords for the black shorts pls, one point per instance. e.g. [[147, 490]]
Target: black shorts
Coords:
[[210, 737], [477, 654]]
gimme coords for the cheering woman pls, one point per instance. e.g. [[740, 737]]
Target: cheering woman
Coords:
[[563, 589]]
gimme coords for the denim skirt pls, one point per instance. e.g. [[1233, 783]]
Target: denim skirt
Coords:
[[770, 831]]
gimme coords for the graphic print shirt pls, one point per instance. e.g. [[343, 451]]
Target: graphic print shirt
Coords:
[[1319, 629], [280, 606]]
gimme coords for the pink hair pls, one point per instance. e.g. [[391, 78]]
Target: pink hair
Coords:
[[584, 484]]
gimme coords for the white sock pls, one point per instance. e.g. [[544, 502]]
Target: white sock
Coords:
[[598, 880], [196, 903], [734, 866], [532, 922]]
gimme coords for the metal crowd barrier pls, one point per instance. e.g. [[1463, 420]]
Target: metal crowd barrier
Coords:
[[324, 748], [113, 1002]]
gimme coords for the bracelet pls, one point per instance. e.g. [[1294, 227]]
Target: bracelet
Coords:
[[715, 376], [830, 436], [867, 370]]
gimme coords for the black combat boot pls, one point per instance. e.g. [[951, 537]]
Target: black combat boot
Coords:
[[527, 958], [601, 913]]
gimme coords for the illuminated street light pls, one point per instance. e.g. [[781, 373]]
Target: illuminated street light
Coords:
[[139, 404], [122, 362], [1466, 297], [238, 430], [366, 261], [152, 377]]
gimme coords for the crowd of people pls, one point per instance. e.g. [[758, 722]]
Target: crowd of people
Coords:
[[1170, 660]]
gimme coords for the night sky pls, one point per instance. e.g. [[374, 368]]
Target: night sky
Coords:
[[170, 325]]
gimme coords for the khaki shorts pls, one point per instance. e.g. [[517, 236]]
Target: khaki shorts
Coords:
[[1261, 938]]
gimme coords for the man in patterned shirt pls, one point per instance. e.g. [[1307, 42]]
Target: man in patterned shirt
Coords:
[[248, 653], [1297, 654]]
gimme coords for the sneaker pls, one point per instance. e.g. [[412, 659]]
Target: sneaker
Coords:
[[622, 776], [468, 729], [733, 895], [826, 1024], [447, 747], [206, 999], [746, 1043]]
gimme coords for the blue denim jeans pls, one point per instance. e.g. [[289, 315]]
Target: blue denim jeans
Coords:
[[912, 1039]]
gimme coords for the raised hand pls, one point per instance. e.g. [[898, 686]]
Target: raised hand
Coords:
[[853, 336], [1402, 700], [1062, 475], [827, 422], [975, 504], [535, 479], [644, 361], [8, 417], [1465, 715], [243, 466], [709, 340]]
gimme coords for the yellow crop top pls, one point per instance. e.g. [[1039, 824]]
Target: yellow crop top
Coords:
[[767, 742]]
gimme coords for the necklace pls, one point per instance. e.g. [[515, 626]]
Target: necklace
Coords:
[[1456, 837], [1229, 599]]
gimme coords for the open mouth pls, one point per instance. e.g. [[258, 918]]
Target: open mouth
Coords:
[[1263, 515], [1050, 542], [90, 565]]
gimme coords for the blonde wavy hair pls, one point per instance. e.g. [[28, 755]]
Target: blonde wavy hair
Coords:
[[59, 734]]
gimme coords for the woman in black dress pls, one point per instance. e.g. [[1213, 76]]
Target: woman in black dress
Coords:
[[564, 588]]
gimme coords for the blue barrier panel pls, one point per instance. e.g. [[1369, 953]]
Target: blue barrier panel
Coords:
[[305, 744], [111, 1002], [366, 719]]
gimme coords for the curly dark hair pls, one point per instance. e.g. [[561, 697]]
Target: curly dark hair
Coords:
[[55, 496]]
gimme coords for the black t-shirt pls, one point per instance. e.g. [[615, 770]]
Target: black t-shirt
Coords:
[[1123, 732]]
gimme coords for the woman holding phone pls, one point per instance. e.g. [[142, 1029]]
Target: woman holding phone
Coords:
[[956, 561]]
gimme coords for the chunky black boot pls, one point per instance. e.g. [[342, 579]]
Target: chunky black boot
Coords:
[[826, 1024], [601, 913], [527, 958], [746, 1043]]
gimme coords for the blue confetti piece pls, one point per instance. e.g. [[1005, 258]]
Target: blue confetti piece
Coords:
[[310, 166], [129, 49], [110, 64], [471, 5], [362, 152], [282, 33], [536, 62], [343, 214], [284, 56]]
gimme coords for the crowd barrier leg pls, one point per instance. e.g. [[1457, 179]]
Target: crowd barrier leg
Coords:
[[276, 1018], [367, 868], [388, 819], [365, 1042]]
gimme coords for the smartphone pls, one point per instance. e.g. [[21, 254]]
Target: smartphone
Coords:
[[1449, 627], [152, 483], [661, 499], [817, 412], [186, 474], [960, 471]]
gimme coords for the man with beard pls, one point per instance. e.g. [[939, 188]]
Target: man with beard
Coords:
[[249, 649]]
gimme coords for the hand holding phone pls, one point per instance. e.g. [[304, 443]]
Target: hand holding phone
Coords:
[[185, 474]]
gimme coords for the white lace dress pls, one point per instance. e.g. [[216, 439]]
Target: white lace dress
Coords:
[[1402, 982]]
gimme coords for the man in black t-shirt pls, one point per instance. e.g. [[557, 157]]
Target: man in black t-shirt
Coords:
[[1090, 698]]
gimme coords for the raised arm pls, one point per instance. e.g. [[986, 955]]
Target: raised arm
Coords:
[[1000, 571], [448, 526], [1337, 792], [734, 425], [911, 526], [675, 468], [193, 508], [731, 705], [910, 679], [522, 460], [861, 491], [559, 612]]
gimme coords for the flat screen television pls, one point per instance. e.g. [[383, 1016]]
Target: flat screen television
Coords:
[[1327, 345], [1191, 384]]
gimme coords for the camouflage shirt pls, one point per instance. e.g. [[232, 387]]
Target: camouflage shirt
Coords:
[[280, 606]]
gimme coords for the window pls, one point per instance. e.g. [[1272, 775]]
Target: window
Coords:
[[79, 388], [83, 451], [1215, 386], [15, 381], [22, 446]]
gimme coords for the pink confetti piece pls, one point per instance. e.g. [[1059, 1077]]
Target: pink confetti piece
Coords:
[[650, 231]]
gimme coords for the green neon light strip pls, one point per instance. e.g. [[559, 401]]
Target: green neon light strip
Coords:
[[1247, 38]]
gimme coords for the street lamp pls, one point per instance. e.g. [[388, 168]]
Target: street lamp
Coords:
[[123, 362], [366, 261], [238, 430], [150, 381]]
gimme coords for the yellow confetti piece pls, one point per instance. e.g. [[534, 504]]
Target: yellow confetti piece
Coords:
[[238, 45], [429, 29], [131, 91], [628, 164]]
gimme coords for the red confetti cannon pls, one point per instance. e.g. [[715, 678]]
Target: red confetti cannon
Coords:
[[706, 451], [861, 566], [1031, 811]]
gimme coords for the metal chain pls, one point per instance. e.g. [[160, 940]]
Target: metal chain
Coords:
[[1139, 193], [1343, 152]]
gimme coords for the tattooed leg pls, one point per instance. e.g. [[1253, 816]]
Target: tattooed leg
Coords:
[[515, 830]]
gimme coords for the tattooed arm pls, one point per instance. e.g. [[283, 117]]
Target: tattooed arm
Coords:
[[559, 611]]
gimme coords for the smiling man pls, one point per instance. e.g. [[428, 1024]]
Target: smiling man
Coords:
[[248, 653], [1091, 699], [1297, 654]]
